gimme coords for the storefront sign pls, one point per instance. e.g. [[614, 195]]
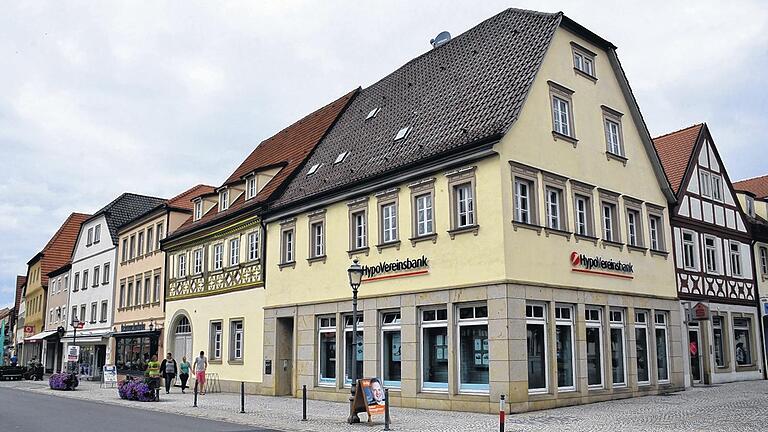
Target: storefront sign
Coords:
[[399, 268], [599, 266], [73, 353], [132, 327], [700, 312], [110, 374], [29, 331]]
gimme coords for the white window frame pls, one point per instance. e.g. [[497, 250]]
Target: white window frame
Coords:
[[359, 229], [710, 255], [613, 136], [253, 246], [633, 233], [690, 255], [619, 324], [643, 324], [474, 321], [182, 264], [554, 200], [531, 318], [218, 256], [717, 187], [763, 252], [317, 238], [330, 327], [251, 187], [737, 267], [524, 200], [561, 115], [97, 233], [234, 251], [582, 216], [608, 215], [654, 233], [661, 324], [390, 323], [432, 387], [598, 324], [288, 242], [198, 209], [568, 322], [425, 223], [388, 216], [197, 261], [216, 339], [223, 199], [705, 184], [464, 200], [237, 344]]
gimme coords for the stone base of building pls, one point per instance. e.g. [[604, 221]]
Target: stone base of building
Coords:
[[494, 350]]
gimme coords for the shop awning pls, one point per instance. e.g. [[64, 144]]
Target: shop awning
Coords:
[[40, 336], [136, 333]]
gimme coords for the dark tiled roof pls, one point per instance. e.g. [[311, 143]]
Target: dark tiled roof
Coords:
[[288, 149], [20, 282], [126, 208], [675, 150], [466, 91], [59, 249], [757, 186]]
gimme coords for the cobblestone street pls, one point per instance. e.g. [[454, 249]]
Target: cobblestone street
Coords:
[[727, 407]]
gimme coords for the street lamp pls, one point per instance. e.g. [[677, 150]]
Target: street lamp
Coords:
[[75, 325], [355, 277]]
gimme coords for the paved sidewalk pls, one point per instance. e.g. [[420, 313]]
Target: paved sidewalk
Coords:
[[737, 407]]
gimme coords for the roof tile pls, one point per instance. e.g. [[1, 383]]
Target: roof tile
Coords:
[[755, 185], [675, 149]]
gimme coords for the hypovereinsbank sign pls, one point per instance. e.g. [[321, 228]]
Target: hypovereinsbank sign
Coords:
[[397, 268], [601, 266]]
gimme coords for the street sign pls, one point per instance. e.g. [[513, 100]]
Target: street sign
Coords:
[[700, 312], [73, 353]]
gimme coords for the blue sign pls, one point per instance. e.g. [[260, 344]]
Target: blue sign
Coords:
[[765, 308]]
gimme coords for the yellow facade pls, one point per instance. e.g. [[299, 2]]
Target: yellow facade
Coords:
[[35, 299]]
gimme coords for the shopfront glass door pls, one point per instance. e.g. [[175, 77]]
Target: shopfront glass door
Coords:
[[694, 353]]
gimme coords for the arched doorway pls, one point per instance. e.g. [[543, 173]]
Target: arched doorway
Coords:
[[182, 339]]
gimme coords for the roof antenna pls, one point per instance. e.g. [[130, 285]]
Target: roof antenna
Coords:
[[442, 38]]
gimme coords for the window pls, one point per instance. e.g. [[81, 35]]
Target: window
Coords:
[[654, 232], [89, 240], [372, 113], [234, 251], [718, 342], [121, 297], [763, 261], [717, 188], [424, 216], [198, 261], [95, 276], [159, 234], [391, 349], [66, 282], [474, 356], [105, 278], [215, 340], [137, 300], [223, 199], [641, 348], [156, 289], [710, 254], [140, 245], [237, 341], [750, 205], [313, 169], [434, 349], [340, 158], [288, 246], [104, 311], [353, 350], [554, 208], [662, 347], [97, 233], [561, 114], [389, 223], [634, 236], [583, 60], [465, 205], [536, 327], [147, 288], [359, 230], [150, 239], [735, 248], [689, 250], [564, 339], [129, 295], [742, 340], [583, 217], [74, 313], [218, 256], [83, 316], [317, 239], [705, 184], [251, 186], [253, 246], [182, 270], [85, 279], [93, 312], [618, 348], [402, 133], [524, 204], [594, 323], [610, 230], [613, 136], [327, 346], [124, 255], [133, 247]]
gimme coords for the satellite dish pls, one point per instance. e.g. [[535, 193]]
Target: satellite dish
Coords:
[[442, 38]]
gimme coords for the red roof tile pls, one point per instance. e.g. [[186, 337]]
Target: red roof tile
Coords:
[[184, 199], [755, 185], [675, 150], [59, 249], [288, 148]]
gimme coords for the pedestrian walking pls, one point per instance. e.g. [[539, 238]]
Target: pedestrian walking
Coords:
[[201, 364], [169, 370], [153, 372], [184, 367]]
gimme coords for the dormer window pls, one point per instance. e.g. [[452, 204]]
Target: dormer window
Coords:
[[223, 199], [750, 206], [198, 209], [250, 187], [340, 158], [313, 169], [372, 113], [402, 133]]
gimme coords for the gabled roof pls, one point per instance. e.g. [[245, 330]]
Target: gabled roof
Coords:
[[756, 185], [287, 149], [675, 150], [59, 249], [20, 282], [124, 209], [181, 202]]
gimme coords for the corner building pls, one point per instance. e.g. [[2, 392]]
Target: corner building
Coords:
[[510, 174]]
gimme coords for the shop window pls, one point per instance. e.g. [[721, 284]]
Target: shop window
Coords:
[[742, 339], [353, 349], [641, 348], [474, 356], [618, 348], [391, 351], [237, 340], [594, 324], [215, 340], [434, 353], [718, 341], [662, 347], [327, 346], [564, 337], [133, 353], [536, 327]]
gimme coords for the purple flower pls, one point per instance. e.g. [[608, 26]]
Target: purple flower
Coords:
[[136, 389], [63, 381]]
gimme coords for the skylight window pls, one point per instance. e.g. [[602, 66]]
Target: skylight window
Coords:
[[340, 158], [314, 169], [402, 133], [373, 113]]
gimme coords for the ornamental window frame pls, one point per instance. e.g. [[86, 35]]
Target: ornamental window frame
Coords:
[[563, 125], [614, 139], [656, 225], [583, 61], [358, 225], [584, 192], [423, 210], [555, 184], [689, 249], [610, 228], [317, 235], [527, 177], [633, 210], [388, 201]]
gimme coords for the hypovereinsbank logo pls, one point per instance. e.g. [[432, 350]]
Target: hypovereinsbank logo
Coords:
[[601, 266]]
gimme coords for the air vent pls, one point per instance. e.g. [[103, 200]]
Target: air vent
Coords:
[[314, 169], [373, 113], [402, 133], [340, 158]]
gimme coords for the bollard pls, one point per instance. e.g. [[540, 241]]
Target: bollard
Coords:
[[304, 403], [242, 397], [157, 394], [386, 409], [502, 412], [196, 383]]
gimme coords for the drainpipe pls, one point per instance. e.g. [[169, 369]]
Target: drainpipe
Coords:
[[263, 252]]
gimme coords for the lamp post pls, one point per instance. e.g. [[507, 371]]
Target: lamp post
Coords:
[[75, 326], [355, 272]]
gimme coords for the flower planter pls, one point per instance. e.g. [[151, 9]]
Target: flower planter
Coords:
[[63, 381], [137, 389]]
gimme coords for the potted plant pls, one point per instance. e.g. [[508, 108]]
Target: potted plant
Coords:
[[63, 381], [136, 389]]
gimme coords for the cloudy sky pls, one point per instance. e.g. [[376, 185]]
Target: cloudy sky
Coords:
[[97, 98]]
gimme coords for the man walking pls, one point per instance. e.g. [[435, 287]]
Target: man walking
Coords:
[[169, 370], [201, 364]]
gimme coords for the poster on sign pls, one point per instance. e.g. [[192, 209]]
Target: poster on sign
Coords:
[[73, 353], [374, 396], [110, 374]]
